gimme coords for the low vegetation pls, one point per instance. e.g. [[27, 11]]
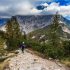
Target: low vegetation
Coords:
[[54, 47]]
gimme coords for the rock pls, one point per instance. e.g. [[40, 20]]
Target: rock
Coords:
[[43, 69], [60, 64], [35, 59], [50, 58], [28, 61], [57, 60], [57, 69]]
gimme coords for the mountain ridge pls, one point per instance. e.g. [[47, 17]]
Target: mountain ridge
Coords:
[[29, 23]]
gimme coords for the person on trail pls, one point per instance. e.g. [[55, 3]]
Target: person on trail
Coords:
[[22, 46]]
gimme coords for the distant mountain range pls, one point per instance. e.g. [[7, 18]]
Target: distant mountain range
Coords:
[[29, 23], [3, 21]]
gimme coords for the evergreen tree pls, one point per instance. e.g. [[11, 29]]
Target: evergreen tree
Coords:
[[53, 33], [54, 47], [13, 33]]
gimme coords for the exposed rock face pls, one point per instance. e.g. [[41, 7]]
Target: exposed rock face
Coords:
[[2, 28], [31, 23]]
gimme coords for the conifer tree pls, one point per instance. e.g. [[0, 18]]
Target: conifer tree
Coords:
[[54, 45], [53, 34], [13, 33]]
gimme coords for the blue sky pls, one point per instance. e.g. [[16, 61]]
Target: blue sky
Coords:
[[29, 7]]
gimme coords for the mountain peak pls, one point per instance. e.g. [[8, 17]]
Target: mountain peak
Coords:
[[29, 23]]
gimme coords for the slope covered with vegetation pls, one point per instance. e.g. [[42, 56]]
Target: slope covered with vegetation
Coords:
[[51, 41]]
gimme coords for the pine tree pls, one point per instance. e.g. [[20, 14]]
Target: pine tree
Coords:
[[13, 33], [54, 47], [53, 34]]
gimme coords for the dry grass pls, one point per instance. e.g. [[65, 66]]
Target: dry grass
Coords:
[[66, 61], [3, 64]]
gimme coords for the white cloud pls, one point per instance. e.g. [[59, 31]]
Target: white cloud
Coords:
[[54, 7], [65, 10], [45, 4], [26, 7], [35, 11], [23, 8], [3, 8], [19, 8], [11, 7]]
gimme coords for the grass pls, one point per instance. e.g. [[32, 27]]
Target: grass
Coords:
[[3, 64], [66, 61]]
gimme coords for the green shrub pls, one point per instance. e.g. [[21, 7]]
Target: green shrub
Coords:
[[49, 50], [12, 44], [66, 46], [54, 52]]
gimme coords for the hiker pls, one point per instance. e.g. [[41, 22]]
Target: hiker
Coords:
[[22, 46]]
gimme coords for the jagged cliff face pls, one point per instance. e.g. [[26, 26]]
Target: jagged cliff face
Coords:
[[31, 23], [41, 34]]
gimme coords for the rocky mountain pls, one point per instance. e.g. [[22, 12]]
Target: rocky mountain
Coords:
[[33, 22], [29, 23], [41, 34]]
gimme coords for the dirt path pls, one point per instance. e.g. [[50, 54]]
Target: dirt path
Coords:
[[29, 61]]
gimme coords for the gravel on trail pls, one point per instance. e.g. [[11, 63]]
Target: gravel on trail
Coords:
[[28, 61]]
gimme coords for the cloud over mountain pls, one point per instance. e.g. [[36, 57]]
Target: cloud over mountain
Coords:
[[53, 7], [28, 7]]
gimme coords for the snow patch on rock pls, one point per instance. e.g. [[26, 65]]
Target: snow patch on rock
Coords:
[[3, 28], [33, 37], [65, 29], [42, 36]]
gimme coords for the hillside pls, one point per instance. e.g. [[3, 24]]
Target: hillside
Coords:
[[29, 23], [41, 34]]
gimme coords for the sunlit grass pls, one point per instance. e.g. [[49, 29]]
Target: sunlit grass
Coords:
[[66, 61]]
